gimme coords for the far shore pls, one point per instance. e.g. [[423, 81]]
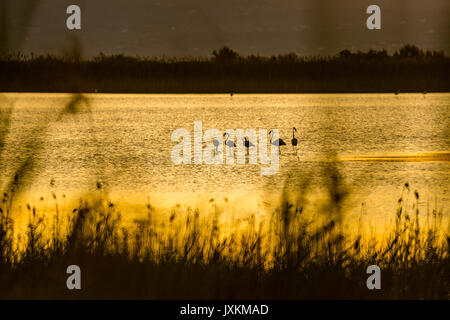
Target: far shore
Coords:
[[410, 69]]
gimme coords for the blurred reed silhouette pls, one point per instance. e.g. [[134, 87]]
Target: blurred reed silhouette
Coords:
[[33, 143], [290, 254]]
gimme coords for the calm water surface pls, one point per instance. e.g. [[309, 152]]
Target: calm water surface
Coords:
[[124, 142]]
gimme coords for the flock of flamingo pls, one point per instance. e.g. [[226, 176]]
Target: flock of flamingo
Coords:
[[247, 143]]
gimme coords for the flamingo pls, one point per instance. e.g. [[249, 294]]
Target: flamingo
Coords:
[[278, 142], [228, 143], [247, 143], [294, 140], [216, 145]]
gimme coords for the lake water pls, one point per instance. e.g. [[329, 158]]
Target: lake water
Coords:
[[124, 141]]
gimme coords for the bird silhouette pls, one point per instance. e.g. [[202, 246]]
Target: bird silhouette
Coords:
[[278, 142], [228, 143], [247, 143], [216, 145], [294, 140]]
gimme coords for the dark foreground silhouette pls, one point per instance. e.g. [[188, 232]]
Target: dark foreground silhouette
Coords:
[[186, 255], [407, 70]]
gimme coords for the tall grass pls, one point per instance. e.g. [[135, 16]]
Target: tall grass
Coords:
[[189, 255]]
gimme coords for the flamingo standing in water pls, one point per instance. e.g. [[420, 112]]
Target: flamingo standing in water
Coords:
[[294, 140], [216, 145], [228, 143], [278, 142], [247, 143]]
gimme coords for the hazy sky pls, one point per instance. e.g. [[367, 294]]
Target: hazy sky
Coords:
[[196, 27]]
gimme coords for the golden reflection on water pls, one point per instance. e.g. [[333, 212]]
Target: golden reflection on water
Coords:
[[382, 141], [416, 157]]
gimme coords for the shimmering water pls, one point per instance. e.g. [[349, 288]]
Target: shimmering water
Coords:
[[124, 142]]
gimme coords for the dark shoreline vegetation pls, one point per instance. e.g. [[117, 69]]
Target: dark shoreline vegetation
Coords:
[[410, 69], [189, 255]]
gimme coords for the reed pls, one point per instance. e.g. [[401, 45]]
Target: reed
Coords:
[[190, 255]]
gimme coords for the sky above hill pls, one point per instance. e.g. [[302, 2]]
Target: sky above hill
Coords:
[[197, 27]]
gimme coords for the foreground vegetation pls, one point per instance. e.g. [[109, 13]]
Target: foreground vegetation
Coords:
[[187, 255], [410, 69]]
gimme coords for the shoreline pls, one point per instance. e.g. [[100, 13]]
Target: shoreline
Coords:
[[408, 70]]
